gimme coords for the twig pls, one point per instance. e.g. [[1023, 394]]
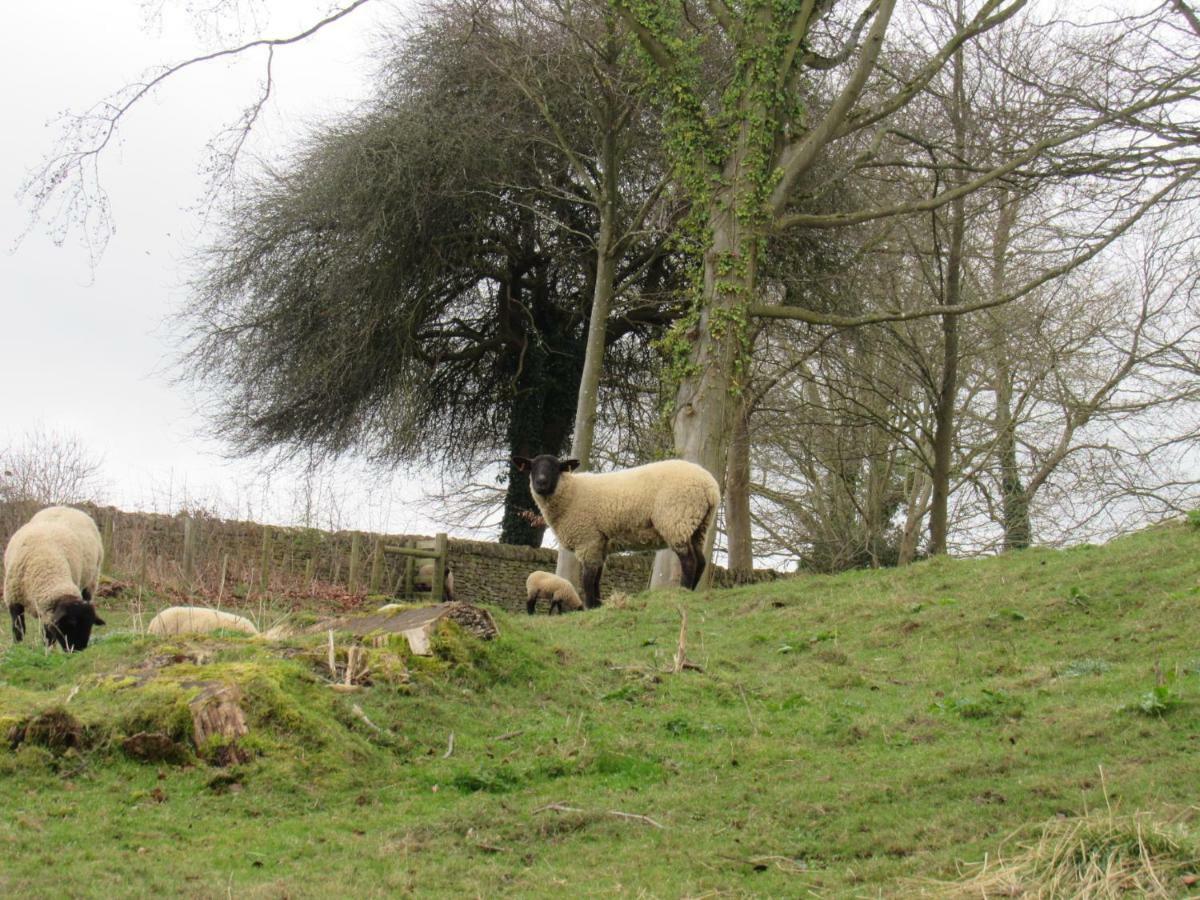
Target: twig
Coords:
[[71, 696], [357, 710], [635, 817], [749, 715], [681, 660], [681, 649], [563, 808], [557, 807], [449, 747], [509, 735]]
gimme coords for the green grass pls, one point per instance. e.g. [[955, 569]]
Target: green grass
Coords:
[[848, 736]]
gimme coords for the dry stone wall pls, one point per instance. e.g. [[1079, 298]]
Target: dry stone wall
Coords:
[[183, 550]]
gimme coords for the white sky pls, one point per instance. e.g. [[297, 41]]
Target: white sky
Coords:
[[88, 351]]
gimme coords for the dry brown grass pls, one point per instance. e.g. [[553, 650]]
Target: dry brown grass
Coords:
[[1097, 856]]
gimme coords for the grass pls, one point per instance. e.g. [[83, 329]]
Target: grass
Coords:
[[880, 732]]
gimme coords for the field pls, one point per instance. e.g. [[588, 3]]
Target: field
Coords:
[[875, 733]]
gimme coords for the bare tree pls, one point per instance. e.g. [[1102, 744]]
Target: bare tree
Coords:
[[46, 467]]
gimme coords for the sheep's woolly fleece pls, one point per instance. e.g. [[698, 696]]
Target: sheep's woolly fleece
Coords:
[[198, 620], [643, 508], [57, 553], [548, 586]]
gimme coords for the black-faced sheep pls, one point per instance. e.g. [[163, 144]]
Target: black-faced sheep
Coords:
[[51, 569], [548, 586], [670, 503], [198, 620]]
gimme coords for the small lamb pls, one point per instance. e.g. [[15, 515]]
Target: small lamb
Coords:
[[548, 586]]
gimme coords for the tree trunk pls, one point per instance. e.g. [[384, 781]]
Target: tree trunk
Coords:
[[737, 500], [704, 402], [918, 499], [943, 435], [593, 358]]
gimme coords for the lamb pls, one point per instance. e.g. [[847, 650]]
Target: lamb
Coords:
[[198, 620], [548, 586], [424, 581], [671, 503], [51, 569]]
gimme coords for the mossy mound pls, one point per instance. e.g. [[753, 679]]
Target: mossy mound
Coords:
[[225, 699]]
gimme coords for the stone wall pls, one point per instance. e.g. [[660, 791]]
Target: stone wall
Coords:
[[194, 551]]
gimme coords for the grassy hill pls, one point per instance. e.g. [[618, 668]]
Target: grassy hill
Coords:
[[875, 732]]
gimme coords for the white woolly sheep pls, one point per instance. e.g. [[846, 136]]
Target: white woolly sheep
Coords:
[[548, 586], [51, 569], [198, 620], [424, 581], [670, 503]]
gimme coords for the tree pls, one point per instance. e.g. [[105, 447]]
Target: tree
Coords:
[[46, 468], [742, 151], [419, 281]]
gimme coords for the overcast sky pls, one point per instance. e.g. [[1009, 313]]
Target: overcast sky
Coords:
[[88, 350]]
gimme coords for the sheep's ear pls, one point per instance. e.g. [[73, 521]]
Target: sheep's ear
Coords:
[[568, 465], [521, 463]]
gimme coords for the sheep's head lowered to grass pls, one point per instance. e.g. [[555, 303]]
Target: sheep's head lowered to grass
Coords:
[[71, 623]]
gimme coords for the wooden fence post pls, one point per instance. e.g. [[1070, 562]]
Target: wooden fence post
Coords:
[[189, 548], [440, 549], [409, 572], [376, 566], [355, 552], [107, 538], [264, 564]]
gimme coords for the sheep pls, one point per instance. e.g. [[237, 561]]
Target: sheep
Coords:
[[51, 569], [424, 581], [548, 586], [197, 620], [670, 503]]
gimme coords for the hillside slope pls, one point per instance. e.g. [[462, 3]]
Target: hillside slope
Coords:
[[847, 735]]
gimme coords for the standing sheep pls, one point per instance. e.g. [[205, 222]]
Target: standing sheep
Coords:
[[51, 569], [671, 503], [548, 586]]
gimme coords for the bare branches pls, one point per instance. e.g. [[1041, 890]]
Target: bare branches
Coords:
[[67, 190]]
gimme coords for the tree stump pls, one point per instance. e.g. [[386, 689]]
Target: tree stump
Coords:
[[216, 711]]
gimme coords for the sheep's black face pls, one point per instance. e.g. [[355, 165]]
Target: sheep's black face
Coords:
[[71, 624], [544, 471]]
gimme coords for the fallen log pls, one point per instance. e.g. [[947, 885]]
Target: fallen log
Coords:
[[416, 625]]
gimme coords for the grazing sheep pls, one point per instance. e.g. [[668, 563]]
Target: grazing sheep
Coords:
[[548, 586], [51, 568], [424, 581], [670, 503], [198, 620]]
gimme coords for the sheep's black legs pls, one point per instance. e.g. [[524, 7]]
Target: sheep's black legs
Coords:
[[17, 611], [591, 585], [531, 605], [691, 561], [687, 568], [87, 595]]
